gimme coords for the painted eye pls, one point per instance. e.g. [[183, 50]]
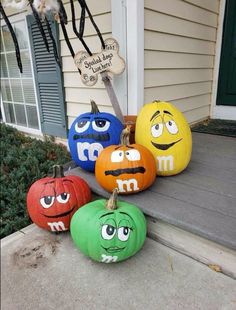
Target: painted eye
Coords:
[[82, 125], [132, 155], [172, 127], [100, 125], [123, 233], [47, 201], [117, 156], [108, 232], [157, 130], [63, 198]]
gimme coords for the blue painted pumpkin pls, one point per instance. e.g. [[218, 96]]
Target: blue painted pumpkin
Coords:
[[90, 133]]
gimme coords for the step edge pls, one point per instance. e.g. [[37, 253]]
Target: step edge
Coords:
[[217, 238], [194, 246]]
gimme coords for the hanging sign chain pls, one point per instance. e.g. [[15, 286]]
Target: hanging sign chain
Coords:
[[93, 78]]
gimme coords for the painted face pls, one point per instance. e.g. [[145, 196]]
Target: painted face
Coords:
[[108, 236], [89, 134], [52, 202], [116, 231], [130, 168], [168, 136], [165, 132], [57, 203]]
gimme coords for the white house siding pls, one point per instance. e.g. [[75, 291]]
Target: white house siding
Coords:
[[77, 95], [180, 39]]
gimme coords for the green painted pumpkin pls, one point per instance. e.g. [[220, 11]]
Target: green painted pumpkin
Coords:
[[108, 231]]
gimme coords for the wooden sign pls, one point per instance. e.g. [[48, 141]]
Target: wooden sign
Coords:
[[107, 60]]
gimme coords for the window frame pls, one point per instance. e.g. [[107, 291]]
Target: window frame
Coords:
[[18, 18]]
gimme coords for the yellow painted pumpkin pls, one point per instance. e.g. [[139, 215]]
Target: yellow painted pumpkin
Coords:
[[163, 129]]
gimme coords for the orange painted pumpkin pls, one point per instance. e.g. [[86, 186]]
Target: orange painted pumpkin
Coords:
[[52, 201], [130, 168]]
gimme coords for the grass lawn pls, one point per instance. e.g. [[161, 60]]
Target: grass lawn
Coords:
[[23, 161]]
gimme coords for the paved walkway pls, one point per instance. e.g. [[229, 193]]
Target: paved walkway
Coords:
[[41, 270]]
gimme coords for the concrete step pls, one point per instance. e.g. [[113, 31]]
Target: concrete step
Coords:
[[42, 270], [201, 249], [184, 236]]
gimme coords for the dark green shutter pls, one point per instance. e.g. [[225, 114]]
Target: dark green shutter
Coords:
[[48, 78]]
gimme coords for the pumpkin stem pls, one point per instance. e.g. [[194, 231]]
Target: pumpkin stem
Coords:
[[94, 107], [57, 171], [125, 134], [156, 101], [111, 203]]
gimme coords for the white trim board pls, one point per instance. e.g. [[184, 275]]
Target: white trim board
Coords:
[[224, 112], [198, 248], [135, 55], [128, 29], [220, 111], [118, 16]]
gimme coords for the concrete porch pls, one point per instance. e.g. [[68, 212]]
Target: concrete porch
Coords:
[[194, 212], [43, 270]]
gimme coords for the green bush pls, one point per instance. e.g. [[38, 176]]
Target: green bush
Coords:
[[23, 161]]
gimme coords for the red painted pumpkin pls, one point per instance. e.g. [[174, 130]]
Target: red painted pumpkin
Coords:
[[52, 201]]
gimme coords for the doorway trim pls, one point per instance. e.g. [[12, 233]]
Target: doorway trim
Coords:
[[128, 29], [119, 32]]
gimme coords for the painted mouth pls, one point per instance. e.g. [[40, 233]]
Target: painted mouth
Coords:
[[165, 146], [113, 249], [59, 215], [118, 172], [97, 137]]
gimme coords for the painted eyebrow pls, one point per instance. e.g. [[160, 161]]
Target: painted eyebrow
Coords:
[[41, 195], [101, 118], [83, 118], [49, 182], [167, 112], [125, 214], [106, 214], [128, 146], [154, 115], [66, 180]]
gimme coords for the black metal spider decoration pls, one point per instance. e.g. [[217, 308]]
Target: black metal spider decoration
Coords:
[[63, 21]]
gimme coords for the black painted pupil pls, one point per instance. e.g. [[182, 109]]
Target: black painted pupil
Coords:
[[127, 153], [126, 231], [64, 196], [100, 123], [82, 124], [110, 230], [170, 123], [157, 126], [120, 153], [48, 200]]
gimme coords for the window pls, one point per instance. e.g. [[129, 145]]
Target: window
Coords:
[[18, 91], [34, 100]]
